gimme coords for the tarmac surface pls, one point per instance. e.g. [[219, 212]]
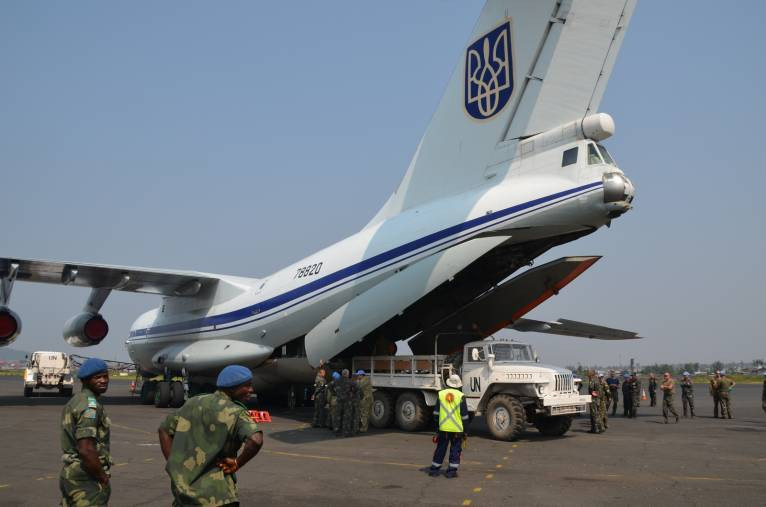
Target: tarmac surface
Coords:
[[700, 461]]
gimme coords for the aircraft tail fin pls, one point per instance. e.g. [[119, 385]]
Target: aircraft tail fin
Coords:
[[529, 66]]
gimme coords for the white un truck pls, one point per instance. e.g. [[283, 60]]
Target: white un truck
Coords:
[[501, 380], [49, 371]]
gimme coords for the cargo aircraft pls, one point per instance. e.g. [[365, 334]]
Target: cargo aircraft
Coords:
[[510, 166]]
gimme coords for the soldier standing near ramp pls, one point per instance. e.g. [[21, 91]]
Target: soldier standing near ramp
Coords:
[[635, 393], [365, 385], [345, 390], [200, 442], [84, 479], [687, 394], [596, 392], [332, 403], [603, 405], [320, 399], [725, 385], [614, 391], [667, 397]]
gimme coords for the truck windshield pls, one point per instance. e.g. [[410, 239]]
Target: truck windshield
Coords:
[[512, 352]]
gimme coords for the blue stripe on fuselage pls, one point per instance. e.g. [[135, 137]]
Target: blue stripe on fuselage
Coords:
[[377, 261]]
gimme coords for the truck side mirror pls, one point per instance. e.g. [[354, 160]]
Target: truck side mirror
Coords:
[[537, 358], [491, 361]]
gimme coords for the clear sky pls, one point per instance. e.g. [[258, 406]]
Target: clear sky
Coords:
[[238, 137]]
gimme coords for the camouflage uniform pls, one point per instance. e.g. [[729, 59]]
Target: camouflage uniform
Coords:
[[667, 400], [596, 418], [83, 417], [652, 391], [345, 391], [687, 396], [320, 402], [332, 403], [636, 391], [714, 394], [356, 402], [205, 430], [724, 386], [763, 397], [603, 404], [365, 385]]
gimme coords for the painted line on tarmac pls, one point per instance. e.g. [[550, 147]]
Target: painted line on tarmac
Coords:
[[489, 476], [2, 486]]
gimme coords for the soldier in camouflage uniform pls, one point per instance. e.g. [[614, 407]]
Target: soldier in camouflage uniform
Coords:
[[332, 403], [763, 395], [687, 394], [320, 399], [652, 390], [200, 442], [597, 393], [667, 397], [84, 479], [356, 402], [714, 393], [603, 404], [636, 393], [345, 391], [365, 407], [725, 384]]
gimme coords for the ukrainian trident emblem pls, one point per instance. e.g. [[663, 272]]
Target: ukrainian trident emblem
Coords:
[[489, 73]]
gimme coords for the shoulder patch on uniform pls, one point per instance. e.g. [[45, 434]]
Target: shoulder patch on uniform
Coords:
[[89, 413], [92, 403]]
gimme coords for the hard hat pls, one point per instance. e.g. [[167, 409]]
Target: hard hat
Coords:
[[360, 372], [454, 381]]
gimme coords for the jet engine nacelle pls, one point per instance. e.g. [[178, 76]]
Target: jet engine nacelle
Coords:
[[10, 326], [85, 329]]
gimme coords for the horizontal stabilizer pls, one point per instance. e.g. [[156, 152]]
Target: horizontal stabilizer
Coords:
[[573, 328], [506, 303], [124, 278]]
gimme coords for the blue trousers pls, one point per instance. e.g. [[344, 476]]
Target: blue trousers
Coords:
[[455, 443]]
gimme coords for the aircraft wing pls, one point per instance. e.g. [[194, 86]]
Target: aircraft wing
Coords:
[[124, 278], [573, 328], [502, 306]]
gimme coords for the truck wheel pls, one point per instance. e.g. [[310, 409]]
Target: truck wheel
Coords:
[[176, 394], [554, 426], [27, 392], [411, 411], [148, 391], [162, 395], [505, 417], [382, 412]]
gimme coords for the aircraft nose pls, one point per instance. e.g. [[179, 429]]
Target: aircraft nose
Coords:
[[618, 193]]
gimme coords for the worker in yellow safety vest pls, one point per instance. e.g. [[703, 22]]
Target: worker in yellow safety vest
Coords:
[[452, 414]]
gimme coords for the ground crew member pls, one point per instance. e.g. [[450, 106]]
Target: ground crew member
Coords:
[[614, 391], [725, 385], [332, 403], [84, 479], [200, 441], [636, 393], [320, 399], [596, 391], [627, 396], [714, 393], [667, 397], [603, 405], [687, 394], [652, 390], [451, 414], [365, 386]]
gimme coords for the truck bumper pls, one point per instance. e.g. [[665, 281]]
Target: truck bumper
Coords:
[[565, 404]]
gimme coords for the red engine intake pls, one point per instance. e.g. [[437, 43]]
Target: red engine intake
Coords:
[[85, 330], [10, 326]]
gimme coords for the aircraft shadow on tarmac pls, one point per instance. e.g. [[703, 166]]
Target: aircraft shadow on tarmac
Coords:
[[53, 399]]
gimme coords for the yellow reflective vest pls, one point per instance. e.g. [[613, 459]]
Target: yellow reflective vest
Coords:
[[450, 418]]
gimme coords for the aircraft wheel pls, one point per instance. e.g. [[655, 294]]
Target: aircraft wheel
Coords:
[[505, 417], [162, 395], [148, 392], [382, 412], [177, 394]]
